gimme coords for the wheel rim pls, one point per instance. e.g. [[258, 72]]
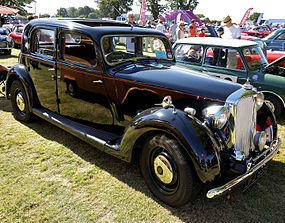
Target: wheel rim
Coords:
[[164, 171], [20, 101]]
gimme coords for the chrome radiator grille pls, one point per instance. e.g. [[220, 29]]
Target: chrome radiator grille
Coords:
[[245, 124]]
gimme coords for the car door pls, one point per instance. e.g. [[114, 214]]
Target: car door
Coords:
[[81, 88], [41, 63], [224, 63]]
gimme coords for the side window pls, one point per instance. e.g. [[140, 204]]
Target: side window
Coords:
[[79, 49], [189, 53], [281, 36], [223, 57], [43, 42]]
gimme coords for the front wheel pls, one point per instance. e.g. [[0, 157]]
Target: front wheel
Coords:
[[19, 102], [274, 105], [167, 171]]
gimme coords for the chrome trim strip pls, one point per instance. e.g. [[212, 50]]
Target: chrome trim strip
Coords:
[[228, 186]]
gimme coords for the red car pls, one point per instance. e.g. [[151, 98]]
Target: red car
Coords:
[[16, 34], [271, 55], [259, 31]]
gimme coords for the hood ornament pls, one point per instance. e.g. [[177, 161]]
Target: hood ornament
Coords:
[[247, 85]]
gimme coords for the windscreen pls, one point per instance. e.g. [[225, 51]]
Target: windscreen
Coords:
[[120, 48]]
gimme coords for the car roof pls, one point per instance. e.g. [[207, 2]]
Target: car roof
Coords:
[[214, 41], [94, 27]]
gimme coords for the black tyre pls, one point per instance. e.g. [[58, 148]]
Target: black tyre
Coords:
[[275, 105], [8, 52], [167, 171], [19, 102]]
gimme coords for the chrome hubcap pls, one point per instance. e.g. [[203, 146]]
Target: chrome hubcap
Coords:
[[20, 101], [163, 169]]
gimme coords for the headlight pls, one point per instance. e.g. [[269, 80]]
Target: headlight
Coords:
[[8, 38], [259, 100], [217, 116]]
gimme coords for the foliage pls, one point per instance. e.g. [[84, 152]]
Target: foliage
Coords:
[[254, 16], [44, 15], [183, 4], [114, 8], [18, 4], [156, 8], [62, 12], [81, 12]]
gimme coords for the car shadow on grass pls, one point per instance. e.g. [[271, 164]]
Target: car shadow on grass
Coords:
[[260, 203]]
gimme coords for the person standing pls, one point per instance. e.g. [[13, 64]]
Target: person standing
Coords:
[[180, 32], [131, 19], [172, 31], [192, 28], [160, 27], [231, 32]]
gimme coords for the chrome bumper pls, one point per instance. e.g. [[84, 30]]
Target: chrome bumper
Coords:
[[228, 186]]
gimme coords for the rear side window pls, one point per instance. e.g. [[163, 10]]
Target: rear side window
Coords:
[[43, 42], [78, 48], [223, 57]]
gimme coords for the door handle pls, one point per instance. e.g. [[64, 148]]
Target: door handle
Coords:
[[98, 82]]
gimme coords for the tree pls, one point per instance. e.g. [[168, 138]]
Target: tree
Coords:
[[17, 4], [44, 15], [183, 4], [71, 11], [95, 15], [62, 12], [156, 8], [114, 8]]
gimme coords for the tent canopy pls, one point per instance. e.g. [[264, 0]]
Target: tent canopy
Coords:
[[180, 14], [7, 10]]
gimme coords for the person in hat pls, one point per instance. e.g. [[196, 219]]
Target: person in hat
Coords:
[[230, 30], [192, 28], [180, 32]]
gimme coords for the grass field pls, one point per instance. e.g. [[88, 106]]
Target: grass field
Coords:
[[47, 175]]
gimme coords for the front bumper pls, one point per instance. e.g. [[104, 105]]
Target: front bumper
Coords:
[[218, 191]]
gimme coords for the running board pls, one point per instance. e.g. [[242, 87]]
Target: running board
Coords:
[[97, 138]]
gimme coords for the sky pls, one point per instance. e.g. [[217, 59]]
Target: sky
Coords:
[[213, 9]]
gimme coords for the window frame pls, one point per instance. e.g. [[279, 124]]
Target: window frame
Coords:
[[33, 40], [62, 45]]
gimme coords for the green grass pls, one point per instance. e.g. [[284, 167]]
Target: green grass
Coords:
[[47, 175]]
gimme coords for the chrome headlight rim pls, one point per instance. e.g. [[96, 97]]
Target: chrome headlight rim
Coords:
[[218, 116]]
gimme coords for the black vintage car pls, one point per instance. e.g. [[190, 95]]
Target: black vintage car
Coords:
[[118, 88]]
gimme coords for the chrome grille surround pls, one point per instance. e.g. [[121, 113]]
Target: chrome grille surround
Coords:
[[242, 106]]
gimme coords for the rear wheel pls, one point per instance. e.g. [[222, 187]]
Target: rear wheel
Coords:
[[167, 171], [19, 102]]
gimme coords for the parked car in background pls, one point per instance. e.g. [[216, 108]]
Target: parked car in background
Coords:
[[271, 55], [213, 56], [16, 35], [99, 81], [6, 43], [259, 31], [275, 40]]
